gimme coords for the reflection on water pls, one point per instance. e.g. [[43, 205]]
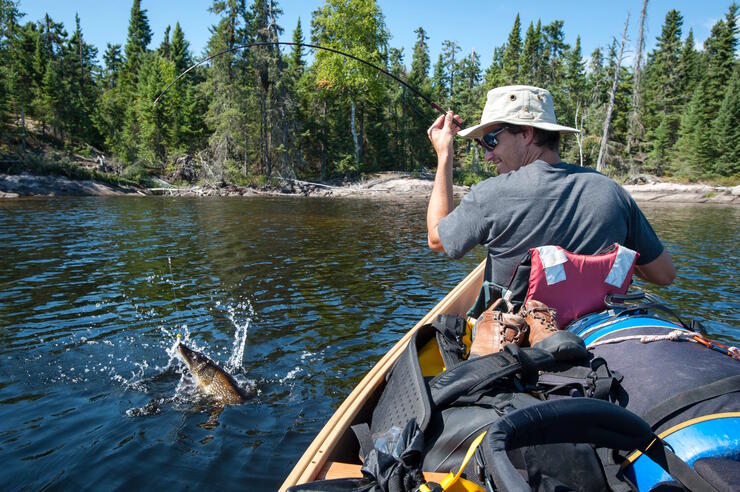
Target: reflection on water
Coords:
[[297, 298]]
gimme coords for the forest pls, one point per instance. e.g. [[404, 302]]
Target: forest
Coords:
[[269, 112]]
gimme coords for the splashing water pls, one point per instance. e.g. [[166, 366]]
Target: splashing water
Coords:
[[240, 335]]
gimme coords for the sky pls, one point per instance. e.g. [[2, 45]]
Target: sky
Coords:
[[478, 25]]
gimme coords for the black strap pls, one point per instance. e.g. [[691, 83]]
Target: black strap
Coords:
[[677, 468], [450, 332], [659, 413], [481, 372]]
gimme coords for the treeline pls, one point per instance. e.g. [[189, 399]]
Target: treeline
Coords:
[[264, 111]]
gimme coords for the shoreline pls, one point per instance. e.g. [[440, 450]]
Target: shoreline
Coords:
[[383, 185]]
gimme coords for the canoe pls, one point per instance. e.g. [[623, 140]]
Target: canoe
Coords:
[[333, 453]]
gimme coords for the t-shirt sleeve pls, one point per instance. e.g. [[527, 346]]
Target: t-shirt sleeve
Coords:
[[464, 227], [640, 235]]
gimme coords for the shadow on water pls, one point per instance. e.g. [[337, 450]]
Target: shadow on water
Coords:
[[297, 298]]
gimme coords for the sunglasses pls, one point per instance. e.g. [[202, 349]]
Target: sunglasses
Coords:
[[489, 140]]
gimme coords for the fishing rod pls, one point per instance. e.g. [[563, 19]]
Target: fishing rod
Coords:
[[415, 91]]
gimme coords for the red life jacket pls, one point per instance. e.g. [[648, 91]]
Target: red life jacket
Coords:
[[574, 284]]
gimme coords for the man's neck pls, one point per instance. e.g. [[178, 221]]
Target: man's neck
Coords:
[[548, 155]]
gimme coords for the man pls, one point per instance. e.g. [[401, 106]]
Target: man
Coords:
[[536, 199]]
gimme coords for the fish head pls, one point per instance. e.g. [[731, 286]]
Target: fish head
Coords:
[[192, 358]]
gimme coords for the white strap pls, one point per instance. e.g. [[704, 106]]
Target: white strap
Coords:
[[552, 259], [621, 267]]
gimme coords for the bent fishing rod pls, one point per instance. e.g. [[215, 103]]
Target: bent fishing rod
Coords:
[[415, 91]]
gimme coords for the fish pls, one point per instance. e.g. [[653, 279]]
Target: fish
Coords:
[[210, 378]]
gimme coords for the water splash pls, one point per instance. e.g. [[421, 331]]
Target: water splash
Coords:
[[240, 335]]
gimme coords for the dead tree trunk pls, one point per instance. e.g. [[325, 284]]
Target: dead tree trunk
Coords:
[[636, 128], [610, 109]]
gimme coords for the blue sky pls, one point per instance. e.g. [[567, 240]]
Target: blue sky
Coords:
[[475, 24]]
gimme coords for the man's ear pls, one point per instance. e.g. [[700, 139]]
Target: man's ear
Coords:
[[528, 134]]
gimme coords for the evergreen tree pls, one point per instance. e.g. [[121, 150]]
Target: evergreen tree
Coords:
[[296, 57], [82, 93], [439, 85], [180, 50], [726, 131], [164, 47], [154, 121], [113, 63], [495, 75], [225, 119], [450, 49], [694, 147], [689, 68], [663, 95], [530, 59], [139, 37], [420, 151], [512, 52], [9, 27]]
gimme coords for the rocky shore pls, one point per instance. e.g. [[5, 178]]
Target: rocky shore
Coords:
[[385, 185]]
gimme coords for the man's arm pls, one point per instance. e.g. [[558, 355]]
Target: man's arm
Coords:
[[659, 271], [441, 133]]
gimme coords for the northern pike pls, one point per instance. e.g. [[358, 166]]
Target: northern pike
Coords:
[[210, 378]]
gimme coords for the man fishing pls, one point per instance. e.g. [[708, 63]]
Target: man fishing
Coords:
[[535, 200]]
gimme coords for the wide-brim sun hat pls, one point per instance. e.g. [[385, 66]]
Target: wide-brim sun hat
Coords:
[[522, 105]]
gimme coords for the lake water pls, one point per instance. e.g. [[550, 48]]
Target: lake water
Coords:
[[298, 297]]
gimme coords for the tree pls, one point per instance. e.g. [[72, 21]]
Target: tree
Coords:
[[530, 59], [137, 41], [726, 131], [450, 49], [420, 150], [662, 91], [155, 121], [225, 91], [636, 127], [356, 27], [607, 121], [9, 27], [82, 92], [512, 52]]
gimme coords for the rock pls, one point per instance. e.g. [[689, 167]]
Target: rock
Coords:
[[735, 190]]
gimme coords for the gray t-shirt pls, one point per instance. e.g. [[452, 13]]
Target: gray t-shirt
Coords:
[[541, 204]]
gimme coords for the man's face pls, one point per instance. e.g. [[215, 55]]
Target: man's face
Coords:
[[508, 155]]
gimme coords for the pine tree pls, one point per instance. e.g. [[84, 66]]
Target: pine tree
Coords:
[[495, 75], [450, 49], [689, 65], [512, 52], [419, 148], [154, 121], [439, 85], [10, 16], [164, 47], [694, 147], [663, 91], [726, 131], [225, 118], [529, 62], [139, 37], [79, 68], [296, 57], [180, 50]]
